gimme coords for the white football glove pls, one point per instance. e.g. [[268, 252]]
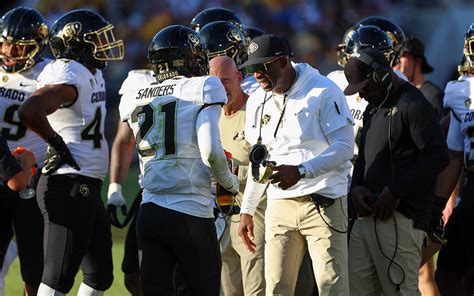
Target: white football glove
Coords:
[[115, 200]]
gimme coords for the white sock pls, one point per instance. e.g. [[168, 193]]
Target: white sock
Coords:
[[44, 290], [85, 290]]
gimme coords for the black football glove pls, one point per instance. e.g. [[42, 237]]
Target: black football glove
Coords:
[[436, 231], [57, 155]]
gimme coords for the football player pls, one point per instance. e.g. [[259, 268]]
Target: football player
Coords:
[[455, 266], [175, 124], [68, 112], [23, 35], [121, 156]]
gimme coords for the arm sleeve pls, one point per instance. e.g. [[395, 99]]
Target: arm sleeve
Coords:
[[252, 194], [433, 157], [340, 150], [212, 153], [9, 167]]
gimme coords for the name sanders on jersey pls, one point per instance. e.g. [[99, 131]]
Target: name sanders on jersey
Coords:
[[98, 97], [158, 91], [12, 94]]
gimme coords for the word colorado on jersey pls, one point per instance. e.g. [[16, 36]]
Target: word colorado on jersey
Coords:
[[12, 94]]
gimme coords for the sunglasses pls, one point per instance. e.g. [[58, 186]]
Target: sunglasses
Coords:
[[263, 67]]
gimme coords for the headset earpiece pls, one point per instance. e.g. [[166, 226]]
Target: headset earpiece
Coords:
[[380, 75]]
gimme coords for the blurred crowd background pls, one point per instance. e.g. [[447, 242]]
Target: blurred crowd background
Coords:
[[314, 27]]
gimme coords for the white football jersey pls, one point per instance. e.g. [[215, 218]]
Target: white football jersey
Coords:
[[356, 104], [458, 96], [15, 89], [81, 123], [137, 79], [163, 119]]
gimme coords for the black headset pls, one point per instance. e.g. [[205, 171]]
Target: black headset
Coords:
[[380, 75]]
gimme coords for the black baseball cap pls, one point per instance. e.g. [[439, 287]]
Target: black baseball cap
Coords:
[[265, 48], [414, 46], [358, 72]]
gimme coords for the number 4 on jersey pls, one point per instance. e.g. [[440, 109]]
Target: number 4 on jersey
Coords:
[[92, 132]]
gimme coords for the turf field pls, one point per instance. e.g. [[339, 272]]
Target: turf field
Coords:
[[13, 281]]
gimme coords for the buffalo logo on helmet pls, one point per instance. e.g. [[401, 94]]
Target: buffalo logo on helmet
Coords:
[[43, 30], [233, 35], [252, 48], [69, 32], [193, 41]]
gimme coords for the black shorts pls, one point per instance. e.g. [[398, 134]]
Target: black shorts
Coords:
[[77, 232], [169, 238], [458, 254], [130, 263], [23, 218]]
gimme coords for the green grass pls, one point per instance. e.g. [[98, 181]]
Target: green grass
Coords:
[[14, 283]]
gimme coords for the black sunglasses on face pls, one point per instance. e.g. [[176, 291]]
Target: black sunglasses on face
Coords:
[[263, 67]]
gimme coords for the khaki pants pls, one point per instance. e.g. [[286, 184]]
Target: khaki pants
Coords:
[[242, 271], [293, 224], [368, 268]]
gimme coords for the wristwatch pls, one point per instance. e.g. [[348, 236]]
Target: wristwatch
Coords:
[[301, 170]]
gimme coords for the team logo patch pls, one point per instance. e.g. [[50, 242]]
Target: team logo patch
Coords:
[[265, 119], [252, 48], [467, 103], [69, 32], [84, 190], [43, 30], [358, 98], [194, 41], [5, 78], [233, 35], [240, 136], [393, 111]]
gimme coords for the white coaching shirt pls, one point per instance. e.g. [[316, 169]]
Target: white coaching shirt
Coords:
[[15, 89], [80, 124], [163, 118], [315, 107], [458, 96]]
